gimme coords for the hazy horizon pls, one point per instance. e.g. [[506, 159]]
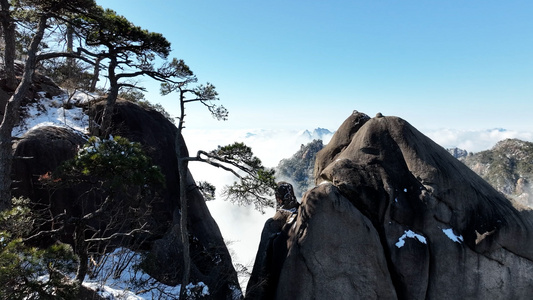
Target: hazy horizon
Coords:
[[242, 226], [306, 64], [457, 71]]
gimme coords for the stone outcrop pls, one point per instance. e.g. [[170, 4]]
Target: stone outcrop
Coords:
[[41, 150], [211, 261], [395, 216], [260, 284], [41, 85], [334, 252], [298, 169]]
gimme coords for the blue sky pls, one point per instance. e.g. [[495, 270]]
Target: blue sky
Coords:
[[306, 64], [454, 69]]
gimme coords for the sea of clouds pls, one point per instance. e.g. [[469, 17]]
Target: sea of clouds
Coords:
[[242, 226]]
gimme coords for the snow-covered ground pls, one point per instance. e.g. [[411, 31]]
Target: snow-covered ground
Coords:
[[52, 112], [121, 278]]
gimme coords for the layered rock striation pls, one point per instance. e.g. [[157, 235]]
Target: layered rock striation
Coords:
[[395, 216]]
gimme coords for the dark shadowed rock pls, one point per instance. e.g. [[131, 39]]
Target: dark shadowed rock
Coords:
[[397, 216], [211, 261], [260, 285], [334, 252], [43, 149]]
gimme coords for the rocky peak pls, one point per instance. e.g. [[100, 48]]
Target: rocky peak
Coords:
[[317, 134], [396, 216], [508, 166], [298, 169], [457, 152]]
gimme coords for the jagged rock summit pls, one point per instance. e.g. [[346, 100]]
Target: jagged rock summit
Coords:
[[395, 216]]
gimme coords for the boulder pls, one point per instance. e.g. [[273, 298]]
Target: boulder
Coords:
[[211, 261], [41, 151], [334, 252], [396, 216]]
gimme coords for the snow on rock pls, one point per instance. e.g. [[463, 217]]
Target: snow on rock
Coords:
[[452, 236], [59, 111], [412, 235], [120, 277]]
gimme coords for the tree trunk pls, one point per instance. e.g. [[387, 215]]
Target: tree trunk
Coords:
[[182, 166], [11, 115], [111, 98], [80, 248], [70, 46], [96, 74], [8, 30], [184, 208]]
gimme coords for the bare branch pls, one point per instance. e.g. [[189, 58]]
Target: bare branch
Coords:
[[213, 163], [119, 234]]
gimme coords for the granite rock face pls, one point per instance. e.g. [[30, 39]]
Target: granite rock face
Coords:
[[395, 216], [41, 151], [334, 252]]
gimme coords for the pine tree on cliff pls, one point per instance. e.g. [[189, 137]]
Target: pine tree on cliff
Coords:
[[38, 15], [256, 183], [128, 51]]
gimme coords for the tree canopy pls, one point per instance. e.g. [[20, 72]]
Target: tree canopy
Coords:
[[107, 41]]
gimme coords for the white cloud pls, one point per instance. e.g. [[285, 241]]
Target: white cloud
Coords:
[[475, 140], [243, 225]]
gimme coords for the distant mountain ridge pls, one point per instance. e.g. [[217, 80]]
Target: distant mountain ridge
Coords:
[[508, 167], [317, 134], [298, 169]]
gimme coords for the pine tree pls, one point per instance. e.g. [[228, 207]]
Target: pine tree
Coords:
[[256, 182]]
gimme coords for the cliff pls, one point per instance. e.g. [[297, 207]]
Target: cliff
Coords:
[[395, 216], [41, 150]]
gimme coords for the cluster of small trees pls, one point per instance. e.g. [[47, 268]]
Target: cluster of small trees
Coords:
[[118, 181], [77, 42]]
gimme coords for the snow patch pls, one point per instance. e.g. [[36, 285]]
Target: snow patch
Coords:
[[410, 234], [58, 111], [452, 236], [121, 278]]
